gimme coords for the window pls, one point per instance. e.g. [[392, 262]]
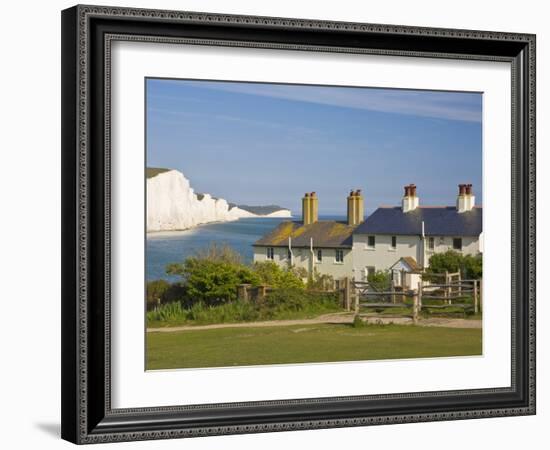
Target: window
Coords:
[[371, 241], [457, 243], [289, 254], [339, 256], [370, 270], [270, 253], [431, 243], [319, 256], [394, 242]]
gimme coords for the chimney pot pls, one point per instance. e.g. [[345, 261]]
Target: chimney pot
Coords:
[[410, 200], [465, 200]]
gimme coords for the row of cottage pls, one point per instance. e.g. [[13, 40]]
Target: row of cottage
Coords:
[[399, 239]]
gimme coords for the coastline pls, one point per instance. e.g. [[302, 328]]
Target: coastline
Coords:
[[160, 233]]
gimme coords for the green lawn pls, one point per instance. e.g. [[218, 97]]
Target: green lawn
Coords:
[[305, 343]]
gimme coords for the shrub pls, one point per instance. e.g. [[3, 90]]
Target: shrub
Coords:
[[273, 275], [380, 280], [470, 267], [473, 267], [212, 281], [320, 281], [287, 301], [160, 292], [154, 292]]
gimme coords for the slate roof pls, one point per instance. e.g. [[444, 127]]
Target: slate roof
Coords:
[[325, 233], [438, 221]]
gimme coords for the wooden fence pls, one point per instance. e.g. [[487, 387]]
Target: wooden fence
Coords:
[[365, 295]]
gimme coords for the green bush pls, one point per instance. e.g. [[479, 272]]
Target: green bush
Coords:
[[213, 278], [160, 292], [320, 281], [470, 267], [286, 302], [271, 274], [380, 280]]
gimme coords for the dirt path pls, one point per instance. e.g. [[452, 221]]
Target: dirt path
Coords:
[[328, 319]]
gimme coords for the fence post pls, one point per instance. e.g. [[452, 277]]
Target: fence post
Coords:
[[475, 297], [392, 290], [459, 283], [262, 291], [347, 293], [415, 307], [242, 292], [447, 288], [420, 295]]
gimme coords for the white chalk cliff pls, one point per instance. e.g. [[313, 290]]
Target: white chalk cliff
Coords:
[[173, 205]]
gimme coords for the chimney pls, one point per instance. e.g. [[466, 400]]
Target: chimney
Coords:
[[314, 207], [310, 208], [465, 200], [410, 200], [356, 208]]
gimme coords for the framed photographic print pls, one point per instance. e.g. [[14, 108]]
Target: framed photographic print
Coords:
[[277, 224]]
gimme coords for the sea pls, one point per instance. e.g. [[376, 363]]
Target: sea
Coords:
[[175, 246]]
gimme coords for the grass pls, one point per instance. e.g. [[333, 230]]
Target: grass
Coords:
[[225, 347]]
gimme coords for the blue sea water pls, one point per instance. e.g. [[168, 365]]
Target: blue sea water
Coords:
[[168, 247]]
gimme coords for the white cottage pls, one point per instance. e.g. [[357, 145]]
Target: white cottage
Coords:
[[324, 246], [411, 234], [398, 239]]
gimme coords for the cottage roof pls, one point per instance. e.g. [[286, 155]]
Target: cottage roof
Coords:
[[325, 233], [438, 221], [409, 262]]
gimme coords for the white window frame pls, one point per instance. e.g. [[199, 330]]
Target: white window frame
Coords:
[[270, 253], [431, 243], [392, 247], [319, 253], [336, 252]]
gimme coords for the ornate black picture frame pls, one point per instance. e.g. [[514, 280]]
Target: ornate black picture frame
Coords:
[[87, 33]]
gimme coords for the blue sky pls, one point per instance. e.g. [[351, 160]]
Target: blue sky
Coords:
[[259, 144]]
